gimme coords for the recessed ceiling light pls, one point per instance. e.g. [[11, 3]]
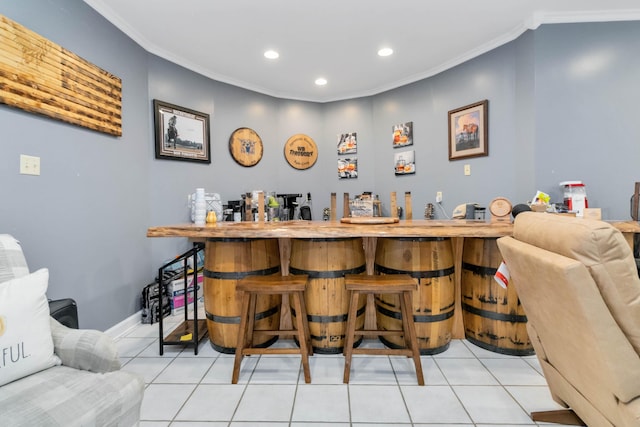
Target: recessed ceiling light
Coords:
[[271, 54], [321, 81], [386, 51]]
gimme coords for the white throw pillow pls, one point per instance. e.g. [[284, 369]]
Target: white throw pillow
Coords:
[[26, 345]]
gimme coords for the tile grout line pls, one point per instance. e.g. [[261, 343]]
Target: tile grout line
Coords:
[[196, 386]]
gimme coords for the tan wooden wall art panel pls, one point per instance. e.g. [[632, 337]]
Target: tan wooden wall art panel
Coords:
[[38, 76]]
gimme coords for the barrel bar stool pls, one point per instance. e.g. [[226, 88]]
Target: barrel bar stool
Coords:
[[401, 284], [252, 286]]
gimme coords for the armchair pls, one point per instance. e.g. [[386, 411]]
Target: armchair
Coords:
[[79, 383], [578, 283]]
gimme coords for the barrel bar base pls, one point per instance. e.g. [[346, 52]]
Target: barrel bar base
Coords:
[[423, 351], [496, 349], [232, 350], [330, 350]]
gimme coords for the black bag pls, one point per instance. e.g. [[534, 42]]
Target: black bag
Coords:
[[64, 311], [152, 299]]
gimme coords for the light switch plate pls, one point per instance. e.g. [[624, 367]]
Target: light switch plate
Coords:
[[29, 165]]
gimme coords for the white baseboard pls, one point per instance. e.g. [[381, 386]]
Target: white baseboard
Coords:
[[125, 326]]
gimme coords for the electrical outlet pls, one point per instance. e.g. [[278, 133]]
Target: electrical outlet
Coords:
[[439, 197], [467, 170], [29, 165]]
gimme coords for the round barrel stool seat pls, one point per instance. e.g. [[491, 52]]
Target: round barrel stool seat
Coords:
[[249, 289], [402, 285]]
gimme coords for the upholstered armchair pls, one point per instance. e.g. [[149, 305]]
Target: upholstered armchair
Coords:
[[51, 375], [578, 283]]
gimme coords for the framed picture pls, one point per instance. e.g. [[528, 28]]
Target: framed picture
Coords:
[[348, 143], [181, 133], [402, 134], [348, 168], [404, 163], [469, 131]]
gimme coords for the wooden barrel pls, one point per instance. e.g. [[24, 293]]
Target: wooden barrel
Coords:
[[227, 261], [429, 260], [326, 261], [493, 317]]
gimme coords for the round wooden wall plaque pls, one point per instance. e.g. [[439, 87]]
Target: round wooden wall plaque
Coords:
[[500, 209], [300, 151], [245, 147]]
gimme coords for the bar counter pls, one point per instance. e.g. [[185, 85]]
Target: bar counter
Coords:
[[284, 231], [335, 229]]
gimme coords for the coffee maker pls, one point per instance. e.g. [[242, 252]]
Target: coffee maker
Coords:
[[235, 206]]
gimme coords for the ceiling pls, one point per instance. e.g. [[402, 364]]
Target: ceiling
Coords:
[[337, 39]]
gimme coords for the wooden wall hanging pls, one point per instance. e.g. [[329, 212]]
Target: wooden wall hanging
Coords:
[[245, 146], [500, 209], [38, 76], [301, 151]]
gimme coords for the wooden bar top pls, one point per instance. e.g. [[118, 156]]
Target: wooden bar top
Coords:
[[333, 229]]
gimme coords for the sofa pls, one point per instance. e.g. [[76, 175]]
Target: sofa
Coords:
[[578, 283], [52, 375]]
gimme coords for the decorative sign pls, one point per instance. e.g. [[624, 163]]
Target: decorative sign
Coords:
[[300, 151], [245, 147], [42, 77], [500, 209]]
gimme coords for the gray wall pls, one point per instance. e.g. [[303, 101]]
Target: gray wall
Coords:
[[426, 103], [85, 217], [586, 100], [560, 107]]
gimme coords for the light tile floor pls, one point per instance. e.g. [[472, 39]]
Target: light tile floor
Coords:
[[465, 386]]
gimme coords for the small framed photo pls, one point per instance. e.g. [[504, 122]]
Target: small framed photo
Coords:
[[348, 143], [348, 168], [402, 134], [181, 133], [405, 162], [469, 131]]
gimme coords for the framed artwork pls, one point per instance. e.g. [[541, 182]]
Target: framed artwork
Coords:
[[469, 131], [181, 133], [405, 162], [348, 168], [348, 143], [402, 134]]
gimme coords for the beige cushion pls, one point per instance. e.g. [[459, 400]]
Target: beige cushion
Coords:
[[577, 334], [605, 253]]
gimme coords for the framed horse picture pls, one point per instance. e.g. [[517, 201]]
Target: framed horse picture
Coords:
[[469, 131], [181, 133]]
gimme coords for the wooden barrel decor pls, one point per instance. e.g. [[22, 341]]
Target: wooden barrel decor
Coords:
[[430, 261], [245, 147], [300, 151], [326, 261], [228, 260], [493, 316]]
